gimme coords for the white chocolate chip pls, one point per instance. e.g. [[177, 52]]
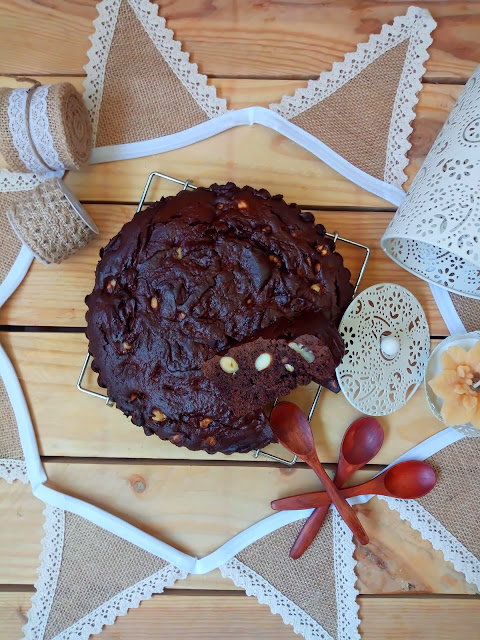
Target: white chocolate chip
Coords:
[[241, 204], [179, 253], [229, 365], [303, 351], [127, 346], [289, 368], [263, 361], [153, 303], [315, 287], [158, 416]]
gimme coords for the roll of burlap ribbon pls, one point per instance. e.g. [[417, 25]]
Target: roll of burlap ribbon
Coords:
[[44, 128], [51, 221]]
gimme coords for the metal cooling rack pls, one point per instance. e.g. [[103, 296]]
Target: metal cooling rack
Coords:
[[186, 184]]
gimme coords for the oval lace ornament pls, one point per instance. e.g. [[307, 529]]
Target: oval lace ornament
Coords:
[[373, 383]]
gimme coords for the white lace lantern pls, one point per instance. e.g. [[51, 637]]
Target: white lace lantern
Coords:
[[435, 233]]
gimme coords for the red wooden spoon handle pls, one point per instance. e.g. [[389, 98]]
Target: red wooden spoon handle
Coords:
[[308, 532]]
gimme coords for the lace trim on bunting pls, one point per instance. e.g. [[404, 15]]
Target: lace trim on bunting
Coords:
[[17, 122], [119, 605], [417, 24], [147, 13], [441, 539], [40, 128], [178, 60], [422, 24], [48, 571], [105, 614], [291, 614], [17, 181], [101, 40], [11, 470], [345, 580]]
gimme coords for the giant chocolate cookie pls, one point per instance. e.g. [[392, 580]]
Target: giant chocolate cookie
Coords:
[[192, 276]]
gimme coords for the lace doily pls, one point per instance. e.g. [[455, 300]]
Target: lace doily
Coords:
[[11, 470], [147, 13], [435, 233], [372, 382], [417, 25], [441, 539]]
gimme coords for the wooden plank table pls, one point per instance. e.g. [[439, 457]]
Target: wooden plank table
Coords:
[[255, 52]]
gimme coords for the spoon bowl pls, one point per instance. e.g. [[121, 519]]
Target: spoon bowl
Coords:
[[362, 441], [409, 480], [405, 480]]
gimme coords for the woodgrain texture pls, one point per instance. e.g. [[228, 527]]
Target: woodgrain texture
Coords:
[[55, 295], [248, 38], [70, 423], [198, 616], [254, 52], [198, 508]]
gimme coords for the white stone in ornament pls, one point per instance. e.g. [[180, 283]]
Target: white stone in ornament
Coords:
[[387, 344], [434, 367], [435, 233]]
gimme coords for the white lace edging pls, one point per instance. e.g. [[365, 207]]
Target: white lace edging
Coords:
[[147, 13], [417, 24], [440, 538], [40, 128], [403, 114], [18, 181], [105, 614], [179, 61], [345, 579], [48, 571], [291, 614], [17, 123], [119, 605], [11, 470], [101, 40]]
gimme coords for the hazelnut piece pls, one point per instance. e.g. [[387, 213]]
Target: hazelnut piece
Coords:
[[229, 365], [210, 441], [127, 346], [263, 361], [179, 253], [176, 437], [158, 416], [205, 422], [275, 259], [303, 351], [241, 204], [111, 285]]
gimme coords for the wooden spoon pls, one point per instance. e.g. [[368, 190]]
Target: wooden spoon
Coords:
[[292, 429], [411, 479], [361, 442]]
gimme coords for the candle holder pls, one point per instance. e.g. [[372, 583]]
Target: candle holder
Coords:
[[435, 233]]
